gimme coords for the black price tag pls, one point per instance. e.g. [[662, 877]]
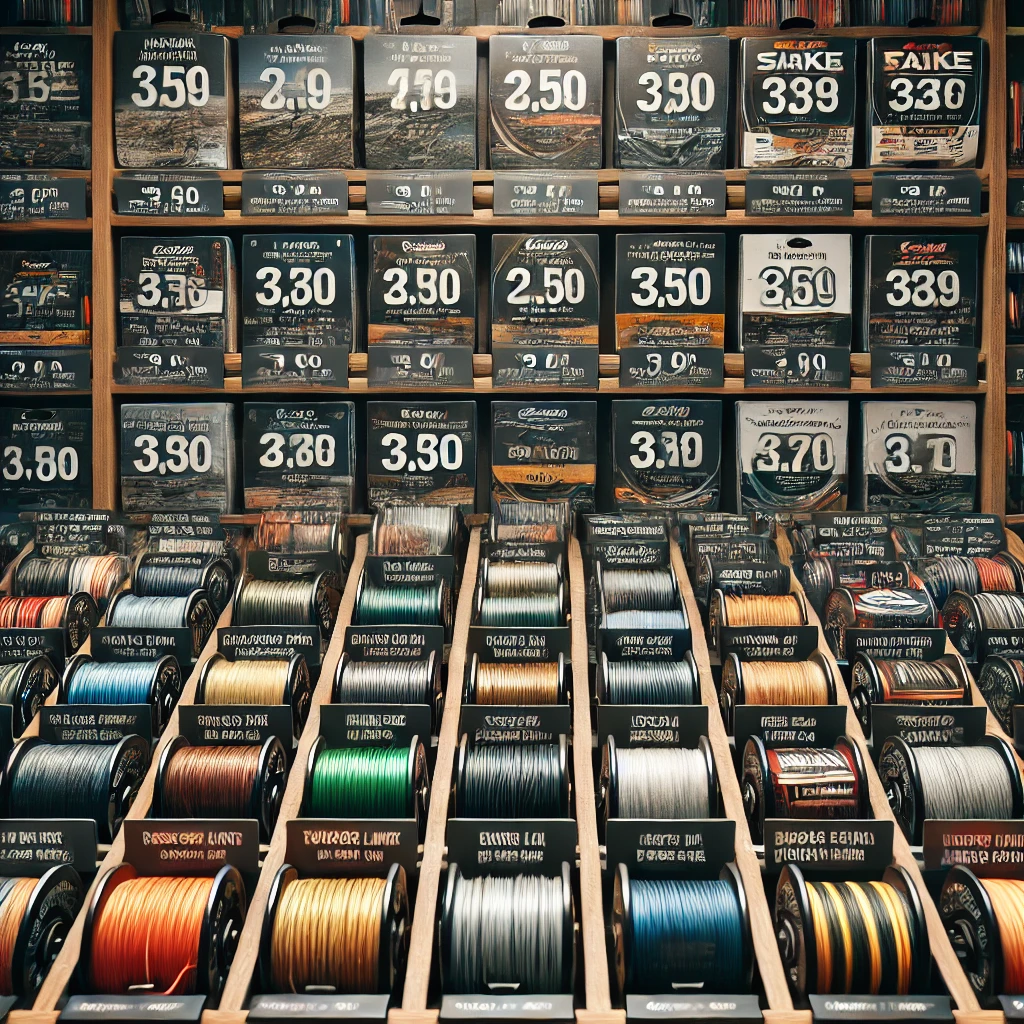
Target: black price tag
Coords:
[[674, 193], [234, 725], [545, 194], [522, 366], [896, 644], [26, 644], [239, 643], [796, 366], [923, 365], [769, 643], [728, 1009], [945, 726], [507, 1007], [800, 194], [95, 723], [419, 366], [47, 457], [169, 195], [952, 193], [31, 196], [899, 1010], [109, 643], [781, 726], [1015, 365], [294, 193], [634, 725], [658, 367], [374, 725], [291, 1006], [669, 848], [827, 846], [1013, 1007], [177, 365], [337, 846], [132, 1009], [193, 846], [294, 365], [31, 847], [45, 369], [419, 193], [485, 724], [511, 845]]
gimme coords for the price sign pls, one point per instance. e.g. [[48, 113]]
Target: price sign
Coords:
[[169, 195], [46, 101], [679, 193], [295, 104], [919, 457], [799, 194], [925, 99], [177, 457], [49, 369], [174, 291], [792, 455], [419, 102], [546, 101], [47, 457], [574, 366], [299, 455], [545, 193], [672, 100], [170, 365], [667, 454], [939, 194], [170, 99], [773, 366], [671, 367], [421, 451], [798, 101], [294, 193], [923, 289], [30, 196]]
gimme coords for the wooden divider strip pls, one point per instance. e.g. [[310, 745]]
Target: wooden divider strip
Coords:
[[237, 987], [421, 939], [591, 911], [53, 988], [945, 959], [762, 930]]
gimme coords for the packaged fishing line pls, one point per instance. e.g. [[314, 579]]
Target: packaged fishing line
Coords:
[[919, 456], [47, 457], [46, 291]]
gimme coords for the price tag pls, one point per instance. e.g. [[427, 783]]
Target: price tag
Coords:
[[799, 194], [664, 367], [46, 101], [171, 106], [679, 193], [423, 452], [44, 369], [47, 457], [419, 193], [792, 455], [922, 365], [672, 101], [1015, 365], [545, 297], [571, 366], [178, 365], [796, 366], [169, 195], [667, 454], [295, 104], [922, 290], [419, 102], [294, 193], [545, 193], [45, 292], [299, 455], [422, 310], [919, 456], [297, 290], [925, 98], [953, 193], [29, 196], [177, 456], [546, 99], [291, 365], [798, 101]]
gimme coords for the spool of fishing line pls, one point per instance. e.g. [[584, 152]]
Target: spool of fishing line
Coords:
[[36, 915], [520, 683], [166, 934], [879, 608], [923, 683], [256, 682], [674, 619], [76, 615], [749, 576], [816, 783], [402, 606], [387, 682], [843, 938], [96, 575], [983, 918], [294, 537], [520, 578], [75, 780], [674, 935], [155, 682], [294, 602], [971, 575], [658, 782], [25, 685], [244, 781], [1001, 682], [949, 783], [967, 616], [193, 612], [637, 590], [367, 782], [529, 533], [158, 575], [512, 780], [501, 934], [538, 611], [420, 530], [648, 682], [774, 683], [347, 936], [756, 610]]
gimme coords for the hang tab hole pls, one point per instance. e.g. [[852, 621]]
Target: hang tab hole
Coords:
[[672, 20], [797, 22], [297, 23], [421, 18], [39, 415], [546, 21], [799, 243]]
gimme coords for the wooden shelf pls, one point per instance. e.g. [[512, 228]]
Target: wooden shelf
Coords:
[[23, 226]]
